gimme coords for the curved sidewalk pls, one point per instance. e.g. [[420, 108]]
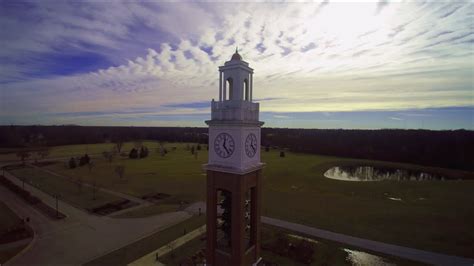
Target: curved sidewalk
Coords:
[[398, 251]]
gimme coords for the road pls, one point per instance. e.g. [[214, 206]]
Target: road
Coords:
[[81, 236]]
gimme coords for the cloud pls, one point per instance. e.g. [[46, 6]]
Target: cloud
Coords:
[[192, 105], [93, 57]]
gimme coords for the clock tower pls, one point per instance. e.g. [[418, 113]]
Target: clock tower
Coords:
[[234, 178]]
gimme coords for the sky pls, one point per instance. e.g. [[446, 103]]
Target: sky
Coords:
[[331, 64]]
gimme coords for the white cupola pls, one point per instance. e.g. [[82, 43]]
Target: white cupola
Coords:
[[235, 80]]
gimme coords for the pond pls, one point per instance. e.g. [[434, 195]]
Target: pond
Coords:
[[373, 173]]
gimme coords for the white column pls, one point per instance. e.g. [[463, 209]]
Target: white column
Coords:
[[225, 89], [251, 86], [220, 86]]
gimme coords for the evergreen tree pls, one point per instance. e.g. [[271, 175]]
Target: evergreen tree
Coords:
[[133, 154]]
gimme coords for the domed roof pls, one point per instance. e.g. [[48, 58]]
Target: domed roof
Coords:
[[236, 56]]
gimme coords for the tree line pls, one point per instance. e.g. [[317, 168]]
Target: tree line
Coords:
[[449, 148]]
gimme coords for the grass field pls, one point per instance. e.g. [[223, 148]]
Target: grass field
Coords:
[[178, 174], [67, 189], [8, 218], [432, 215], [148, 244]]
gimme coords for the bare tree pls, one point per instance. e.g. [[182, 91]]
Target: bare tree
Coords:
[[109, 155], [120, 171], [43, 153], [90, 165], [23, 155], [138, 144], [118, 145]]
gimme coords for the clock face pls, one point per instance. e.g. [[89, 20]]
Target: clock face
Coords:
[[251, 145], [224, 145]]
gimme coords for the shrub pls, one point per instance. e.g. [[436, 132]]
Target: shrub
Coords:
[[72, 163], [282, 154], [84, 160]]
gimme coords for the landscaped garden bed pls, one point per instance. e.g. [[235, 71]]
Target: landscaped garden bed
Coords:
[[113, 207], [155, 197]]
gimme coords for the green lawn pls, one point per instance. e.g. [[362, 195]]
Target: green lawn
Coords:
[[8, 218], [148, 244], [67, 189], [178, 173], [70, 150], [433, 215], [296, 190]]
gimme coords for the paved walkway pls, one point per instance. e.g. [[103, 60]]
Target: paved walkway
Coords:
[[81, 236], [150, 258], [398, 251]]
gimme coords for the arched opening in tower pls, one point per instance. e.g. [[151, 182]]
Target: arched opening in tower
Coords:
[[230, 89], [224, 220], [246, 90]]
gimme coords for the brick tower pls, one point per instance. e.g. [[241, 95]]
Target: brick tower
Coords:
[[234, 177]]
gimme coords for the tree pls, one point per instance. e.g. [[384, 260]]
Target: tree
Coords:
[[133, 154], [90, 165], [198, 147], [143, 152], [84, 160], [23, 155], [120, 171], [109, 155], [282, 154], [43, 153], [118, 145], [138, 144], [72, 163]]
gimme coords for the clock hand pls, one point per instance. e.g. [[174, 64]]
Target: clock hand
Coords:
[[223, 145]]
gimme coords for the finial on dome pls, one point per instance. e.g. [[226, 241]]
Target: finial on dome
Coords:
[[236, 55]]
